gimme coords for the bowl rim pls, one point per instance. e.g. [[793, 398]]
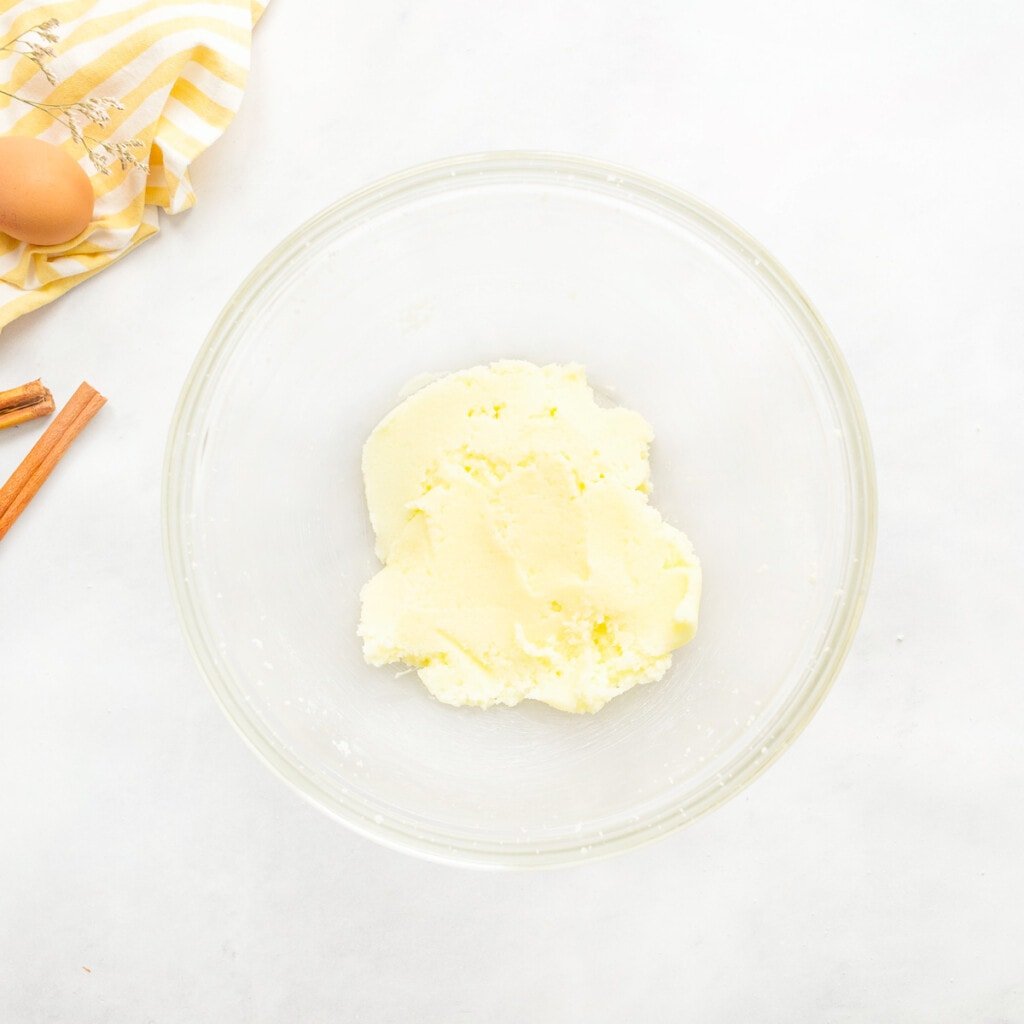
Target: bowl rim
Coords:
[[821, 670]]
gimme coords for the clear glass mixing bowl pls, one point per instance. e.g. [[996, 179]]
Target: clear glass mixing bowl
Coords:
[[761, 455]]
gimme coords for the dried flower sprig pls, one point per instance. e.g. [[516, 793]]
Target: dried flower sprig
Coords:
[[102, 154], [37, 44]]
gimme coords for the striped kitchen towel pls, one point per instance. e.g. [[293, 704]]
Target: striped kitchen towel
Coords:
[[167, 76]]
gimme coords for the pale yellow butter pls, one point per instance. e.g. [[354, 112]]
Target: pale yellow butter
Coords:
[[521, 557]]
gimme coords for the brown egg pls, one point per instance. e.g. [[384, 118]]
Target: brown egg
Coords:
[[45, 197]]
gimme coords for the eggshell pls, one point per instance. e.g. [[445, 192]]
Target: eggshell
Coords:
[[45, 197]]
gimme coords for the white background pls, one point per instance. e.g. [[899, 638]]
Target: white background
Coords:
[[874, 874]]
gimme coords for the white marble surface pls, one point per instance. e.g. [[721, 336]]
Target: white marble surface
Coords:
[[874, 873]]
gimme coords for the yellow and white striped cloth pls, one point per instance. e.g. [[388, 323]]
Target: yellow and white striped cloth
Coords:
[[178, 67]]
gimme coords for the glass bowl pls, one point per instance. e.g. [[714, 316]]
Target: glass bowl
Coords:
[[761, 456]]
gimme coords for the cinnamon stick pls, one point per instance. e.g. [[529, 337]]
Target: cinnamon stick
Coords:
[[19, 405], [26, 480]]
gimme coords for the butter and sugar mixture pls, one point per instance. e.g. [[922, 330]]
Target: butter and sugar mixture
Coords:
[[521, 557]]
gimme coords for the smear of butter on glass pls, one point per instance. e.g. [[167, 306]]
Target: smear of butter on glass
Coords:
[[522, 559]]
